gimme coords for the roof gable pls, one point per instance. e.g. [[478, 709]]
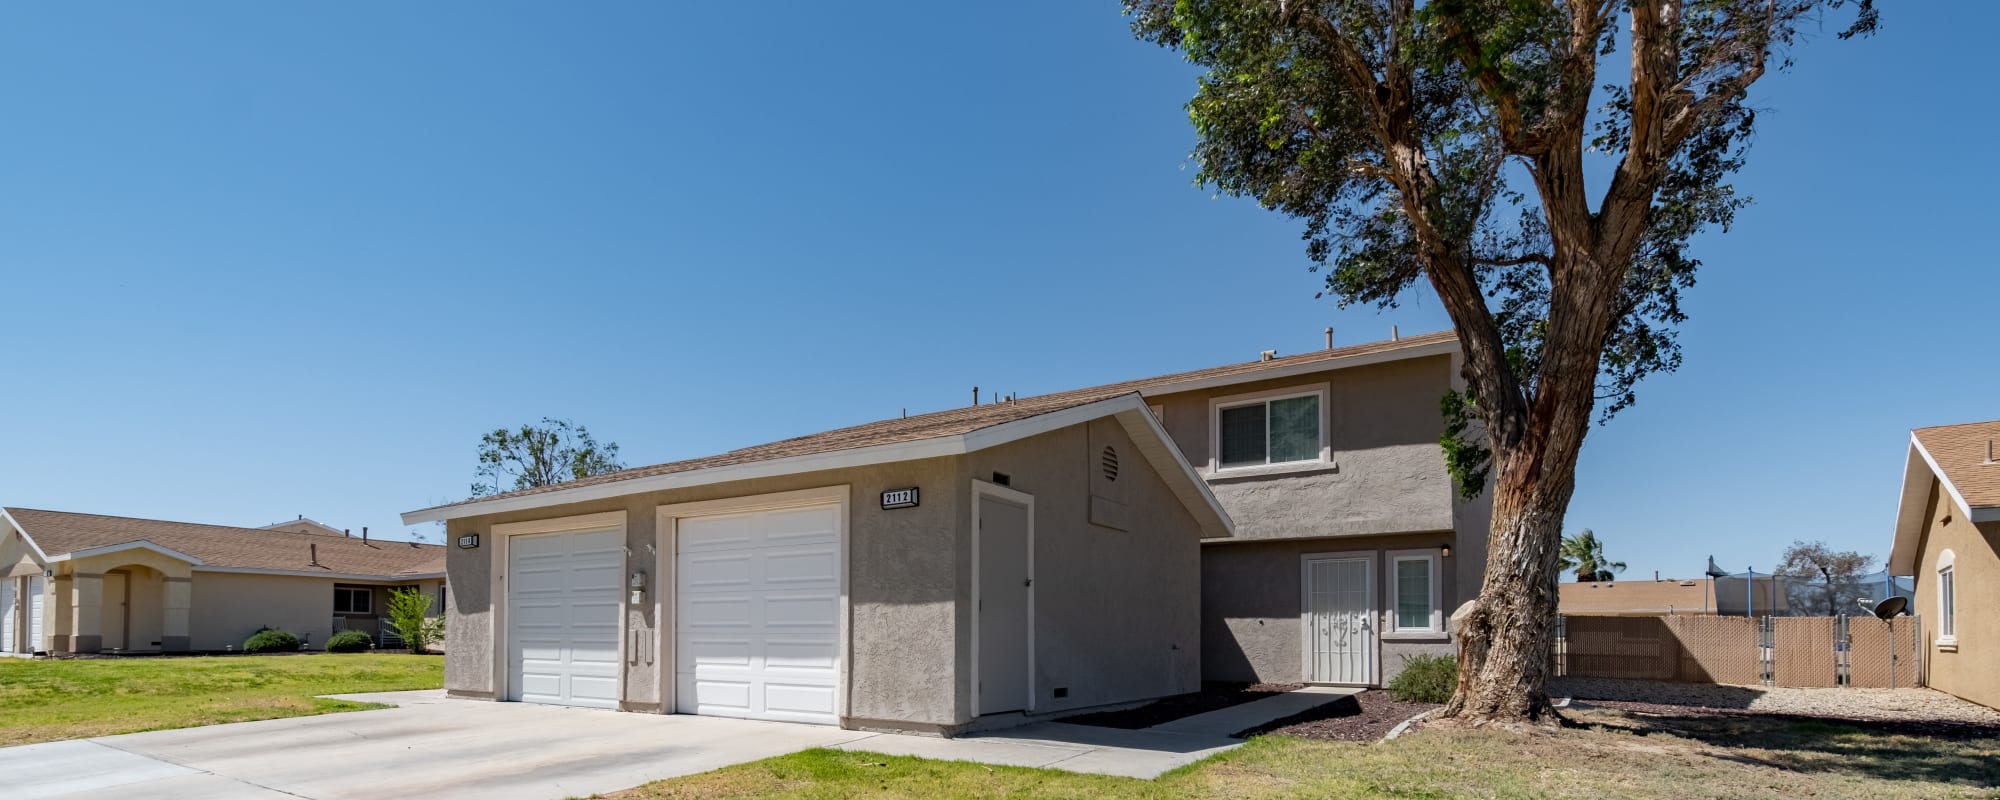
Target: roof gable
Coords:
[[1953, 460]]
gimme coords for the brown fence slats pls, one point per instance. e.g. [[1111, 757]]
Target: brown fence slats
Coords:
[[1693, 648]]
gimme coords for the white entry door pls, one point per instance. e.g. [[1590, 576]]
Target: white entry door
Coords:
[[1005, 578], [757, 614], [34, 604], [1339, 632], [9, 611], [563, 617]]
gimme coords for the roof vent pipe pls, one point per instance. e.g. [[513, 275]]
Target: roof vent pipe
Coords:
[[347, 532], [1329, 337], [313, 552], [1395, 335], [1989, 453], [975, 395], [364, 534]]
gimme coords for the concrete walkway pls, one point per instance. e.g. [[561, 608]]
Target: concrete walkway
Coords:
[[1244, 716], [428, 746]]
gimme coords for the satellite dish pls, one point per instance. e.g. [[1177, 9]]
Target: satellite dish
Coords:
[[1891, 607]]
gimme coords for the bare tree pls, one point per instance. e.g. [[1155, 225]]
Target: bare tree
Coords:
[[1809, 561]]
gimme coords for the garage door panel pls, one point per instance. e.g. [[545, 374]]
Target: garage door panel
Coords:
[[757, 608], [565, 617]]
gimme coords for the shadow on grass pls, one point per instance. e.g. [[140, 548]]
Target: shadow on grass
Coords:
[[1941, 752]]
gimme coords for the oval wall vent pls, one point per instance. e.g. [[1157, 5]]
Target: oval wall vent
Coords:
[[1110, 462]]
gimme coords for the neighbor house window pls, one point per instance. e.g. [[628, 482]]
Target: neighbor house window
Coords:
[[1947, 606], [1413, 587], [1278, 430], [353, 600]]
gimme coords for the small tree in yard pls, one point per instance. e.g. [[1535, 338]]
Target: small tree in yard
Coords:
[[1456, 142], [409, 615], [1814, 561]]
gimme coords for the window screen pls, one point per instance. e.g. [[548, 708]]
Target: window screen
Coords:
[[1947, 605], [1243, 436], [1295, 429], [1413, 594]]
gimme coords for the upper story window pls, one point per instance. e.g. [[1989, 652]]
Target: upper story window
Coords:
[[353, 600], [1277, 429]]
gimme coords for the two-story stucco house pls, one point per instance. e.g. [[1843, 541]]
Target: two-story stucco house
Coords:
[[1287, 519]]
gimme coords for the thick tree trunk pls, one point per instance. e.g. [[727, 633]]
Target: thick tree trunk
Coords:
[[1505, 642]]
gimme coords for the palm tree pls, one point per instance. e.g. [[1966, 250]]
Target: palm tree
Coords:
[[1584, 555]]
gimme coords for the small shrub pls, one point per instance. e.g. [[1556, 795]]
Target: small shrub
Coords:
[[1425, 679], [271, 640], [349, 642]]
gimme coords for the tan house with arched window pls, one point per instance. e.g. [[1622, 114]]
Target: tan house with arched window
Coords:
[[1948, 538]]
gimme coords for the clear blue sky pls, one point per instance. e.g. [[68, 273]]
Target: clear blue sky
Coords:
[[262, 260]]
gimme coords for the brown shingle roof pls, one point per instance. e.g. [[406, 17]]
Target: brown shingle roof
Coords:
[[957, 421], [1960, 452], [59, 532]]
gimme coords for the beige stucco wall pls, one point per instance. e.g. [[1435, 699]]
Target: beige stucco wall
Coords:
[[1251, 604], [1387, 473], [228, 607], [1116, 611], [1972, 670]]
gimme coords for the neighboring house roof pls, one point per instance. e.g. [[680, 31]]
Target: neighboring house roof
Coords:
[[58, 535], [801, 451], [304, 525], [1958, 459], [1636, 597]]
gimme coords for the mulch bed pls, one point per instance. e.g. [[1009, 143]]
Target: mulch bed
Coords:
[[1167, 709], [1365, 717], [1943, 729]]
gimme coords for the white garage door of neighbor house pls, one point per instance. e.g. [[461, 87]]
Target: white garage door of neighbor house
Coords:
[[7, 614], [757, 606], [35, 602], [563, 617]]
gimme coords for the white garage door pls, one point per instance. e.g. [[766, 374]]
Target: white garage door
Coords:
[[35, 643], [8, 613], [757, 604], [563, 617]]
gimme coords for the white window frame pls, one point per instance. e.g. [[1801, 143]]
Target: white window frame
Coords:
[[365, 591], [1217, 405], [1947, 600], [1394, 581]]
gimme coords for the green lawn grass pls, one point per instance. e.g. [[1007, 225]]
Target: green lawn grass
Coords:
[[47, 700], [1612, 755]]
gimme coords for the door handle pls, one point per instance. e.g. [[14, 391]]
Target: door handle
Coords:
[[1027, 581]]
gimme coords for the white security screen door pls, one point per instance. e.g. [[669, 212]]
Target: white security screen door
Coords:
[[563, 622], [1004, 576], [757, 615], [1339, 644]]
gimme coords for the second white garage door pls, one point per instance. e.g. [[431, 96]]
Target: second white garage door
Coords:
[[757, 606], [562, 617]]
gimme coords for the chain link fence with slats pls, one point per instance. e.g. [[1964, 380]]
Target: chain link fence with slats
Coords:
[[1861, 652]]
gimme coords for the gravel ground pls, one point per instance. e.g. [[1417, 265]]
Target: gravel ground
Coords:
[[1364, 717], [1899, 705], [1167, 709]]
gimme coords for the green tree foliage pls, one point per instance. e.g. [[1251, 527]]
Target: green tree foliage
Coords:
[[1458, 142], [409, 615], [1583, 554], [555, 451]]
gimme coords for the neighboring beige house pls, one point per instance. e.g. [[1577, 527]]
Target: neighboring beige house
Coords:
[[303, 525], [1948, 539], [1654, 598], [88, 583], [991, 564]]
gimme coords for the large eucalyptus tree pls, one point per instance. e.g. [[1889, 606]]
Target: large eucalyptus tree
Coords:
[[1457, 142]]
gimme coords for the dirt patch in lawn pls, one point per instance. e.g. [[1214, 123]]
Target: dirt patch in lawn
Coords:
[[1212, 697], [1364, 717]]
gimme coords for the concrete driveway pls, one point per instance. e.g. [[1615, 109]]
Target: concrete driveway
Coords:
[[432, 747]]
